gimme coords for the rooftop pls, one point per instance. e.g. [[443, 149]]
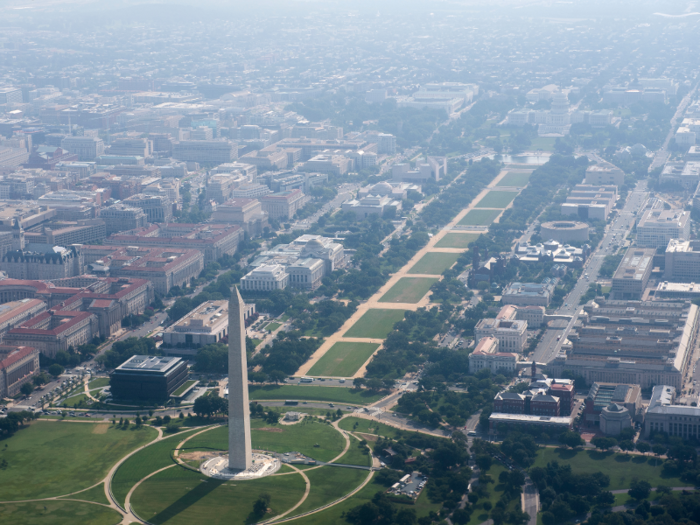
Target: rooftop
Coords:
[[147, 363]]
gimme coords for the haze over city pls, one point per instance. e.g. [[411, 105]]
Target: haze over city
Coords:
[[330, 262]]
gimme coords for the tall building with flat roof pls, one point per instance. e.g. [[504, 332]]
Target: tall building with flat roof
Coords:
[[148, 378], [18, 365], [632, 274], [682, 261], [657, 227]]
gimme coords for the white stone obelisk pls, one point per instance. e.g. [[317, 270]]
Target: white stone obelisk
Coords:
[[240, 452]]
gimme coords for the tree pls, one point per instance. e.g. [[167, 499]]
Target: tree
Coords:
[[26, 389], [374, 384], [548, 518], [202, 406], [358, 382], [460, 517], [276, 376], [571, 439], [56, 370], [261, 504], [626, 445], [643, 447], [483, 461], [603, 443], [639, 489], [487, 505]]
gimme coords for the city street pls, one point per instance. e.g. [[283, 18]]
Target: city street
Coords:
[[615, 233]]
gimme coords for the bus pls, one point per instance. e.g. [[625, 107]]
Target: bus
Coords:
[[306, 380]]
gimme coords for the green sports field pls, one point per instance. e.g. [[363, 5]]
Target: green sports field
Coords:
[[334, 394], [407, 290], [343, 359], [434, 263], [375, 323], [479, 217], [496, 199], [457, 240]]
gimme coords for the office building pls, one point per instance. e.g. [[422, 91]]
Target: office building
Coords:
[[430, 170], [386, 145], [57, 263], [213, 240], [511, 334], [15, 313], [604, 175], [486, 355], [18, 365], [631, 342], [148, 378], [602, 395], [590, 202], [158, 208], [121, 217], [664, 415], [371, 205], [657, 227], [632, 274], [131, 146], [333, 164], [682, 261], [246, 213], [55, 331], [306, 274], [205, 151], [10, 95], [265, 278], [86, 148], [528, 294], [283, 205]]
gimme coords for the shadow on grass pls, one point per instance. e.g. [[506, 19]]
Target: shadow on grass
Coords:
[[193, 496], [566, 453], [639, 460], [623, 458], [597, 455]]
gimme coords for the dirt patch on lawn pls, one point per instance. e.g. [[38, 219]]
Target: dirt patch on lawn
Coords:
[[270, 429], [198, 455], [100, 429], [367, 437]]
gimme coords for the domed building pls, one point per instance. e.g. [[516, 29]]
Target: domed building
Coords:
[[614, 419]]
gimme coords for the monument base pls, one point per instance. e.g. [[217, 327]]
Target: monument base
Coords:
[[263, 465]]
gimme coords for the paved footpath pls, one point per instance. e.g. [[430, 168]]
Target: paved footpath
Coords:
[[374, 302]]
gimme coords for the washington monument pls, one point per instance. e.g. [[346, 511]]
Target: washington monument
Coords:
[[240, 452]]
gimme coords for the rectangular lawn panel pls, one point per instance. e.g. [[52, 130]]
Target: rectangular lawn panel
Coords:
[[515, 178], [408, 290], [376, 323], [343, 359], [434, 263], [49, 459], [58, 512], [457, 240], [179, 496], [98, 383], [622, 469], [479, 217], [497, 199], [334, 394]]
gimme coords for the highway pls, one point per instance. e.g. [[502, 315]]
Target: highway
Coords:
[[615, 233]]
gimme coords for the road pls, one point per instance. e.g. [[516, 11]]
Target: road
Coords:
[[615, 233], [661, 155]]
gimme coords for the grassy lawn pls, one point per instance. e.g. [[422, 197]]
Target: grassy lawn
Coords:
[[284, 318], [49, 459], [58, 513], [354, 455], [543, 143], [180, 496], [434, 263], [479, 217], [457, 240], [256, 342], [75, 400], [368, 426], [98, 383], [408, 290], [329, 484], [143, 463], [496, 199], [96, 494], [184, 387], [621, 469], [302, 437], [479, 515], [313, 393], [375, 324], [343, 359], [515, 178], [272, 327]]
